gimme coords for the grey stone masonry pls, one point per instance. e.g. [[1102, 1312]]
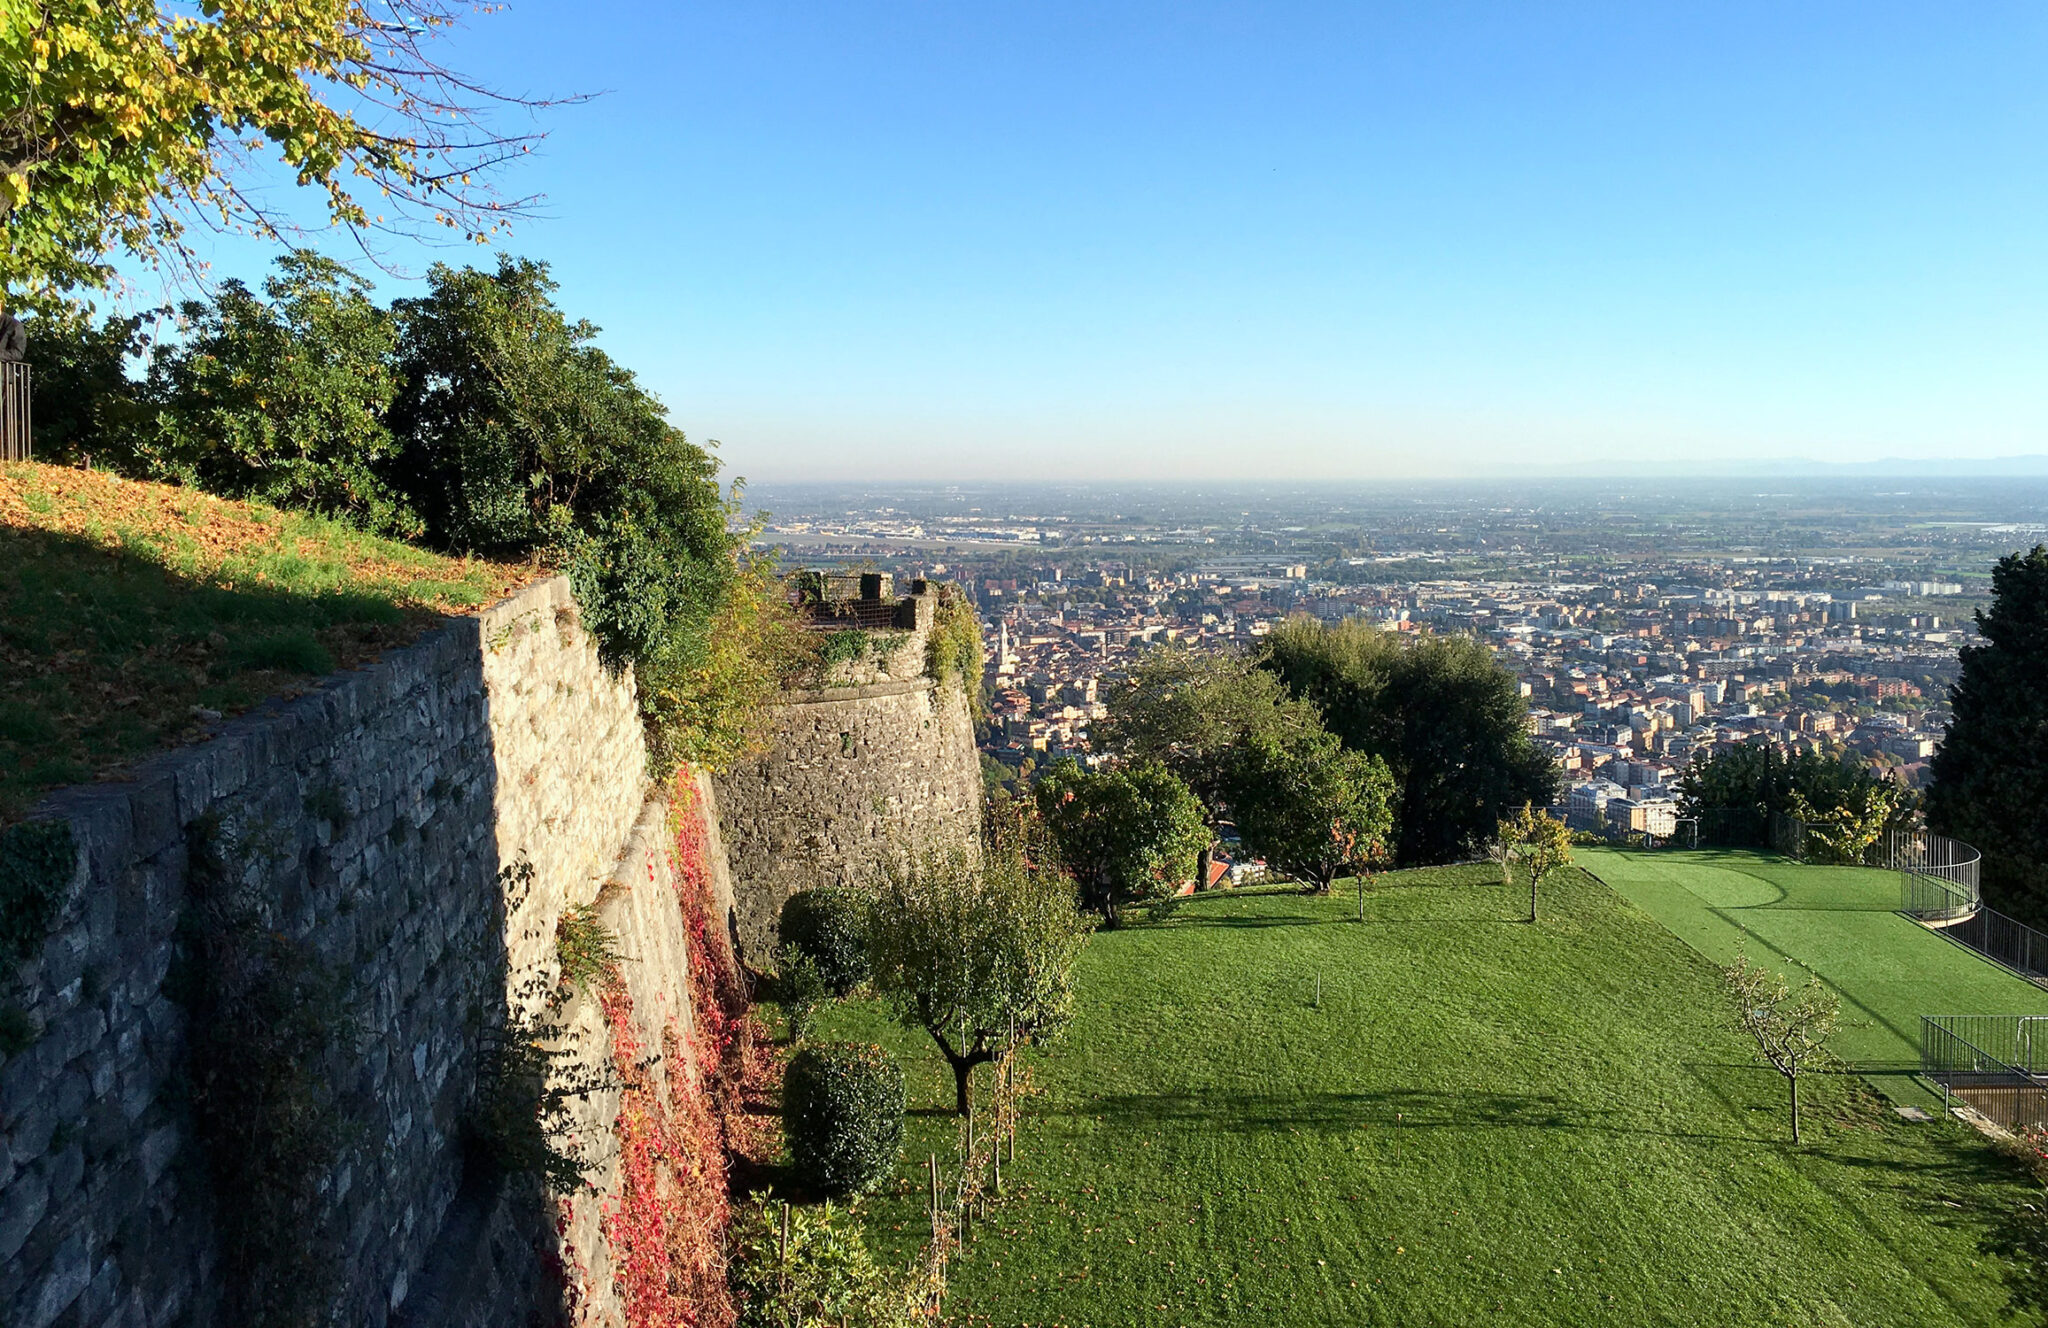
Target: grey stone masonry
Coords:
[[376, 817], [878, 759]]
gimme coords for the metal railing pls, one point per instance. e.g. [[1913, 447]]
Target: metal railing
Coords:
[[14, 411], [1994, 1064], [2001, 939], [1938, 875], [1932, 857]]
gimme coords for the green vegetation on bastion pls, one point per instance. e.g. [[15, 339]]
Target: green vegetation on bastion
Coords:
[[127, 609], [1482, 1122]]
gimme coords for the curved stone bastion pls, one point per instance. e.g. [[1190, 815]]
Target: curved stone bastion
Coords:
[[878, 755]]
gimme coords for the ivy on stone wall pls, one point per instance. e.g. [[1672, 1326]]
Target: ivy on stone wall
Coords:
[[953, 650], [36, 862], [268, 1024]]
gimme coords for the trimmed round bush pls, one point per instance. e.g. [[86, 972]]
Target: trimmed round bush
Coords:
[[842, 1115], [829, 924]]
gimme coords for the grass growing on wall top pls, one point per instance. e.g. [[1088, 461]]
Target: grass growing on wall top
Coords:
[[128, 608], [1483, 1121]]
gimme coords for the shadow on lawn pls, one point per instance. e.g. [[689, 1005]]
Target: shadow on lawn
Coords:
[[1265, 920], [1336, 1113]]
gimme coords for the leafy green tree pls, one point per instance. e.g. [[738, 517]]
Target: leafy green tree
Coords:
[[1442, 712], [121, 121], [1990, 784], [282, 397], [1313, 809], [1737, 791], [1190, 711], [1127, 833], [518, 435], [1540, 842], [88, 403], [976, 952]]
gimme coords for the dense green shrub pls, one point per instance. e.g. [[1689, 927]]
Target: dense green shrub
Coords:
[[829, 926], [283, 396], [842, 1115], [822, 1276], [801, 991], [476, 418]]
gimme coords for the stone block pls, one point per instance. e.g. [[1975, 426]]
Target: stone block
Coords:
[[22, 1205]]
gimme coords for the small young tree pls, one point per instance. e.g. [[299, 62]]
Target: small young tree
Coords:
[[976, 952], [1541, 842], [1791, 1031], [1127, 834], [1315, 810]]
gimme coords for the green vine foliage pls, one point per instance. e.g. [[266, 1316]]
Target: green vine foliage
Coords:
[[587, 949], [268, 1022], [953, 650], [847, 646], [519, 1121], [36, 862]]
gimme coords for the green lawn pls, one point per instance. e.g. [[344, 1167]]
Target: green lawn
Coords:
[[1838, 922], [1483, 1122], [133, 614]]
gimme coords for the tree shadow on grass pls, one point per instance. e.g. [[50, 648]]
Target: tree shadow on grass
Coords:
[[1340, 1113], [1262, 920]]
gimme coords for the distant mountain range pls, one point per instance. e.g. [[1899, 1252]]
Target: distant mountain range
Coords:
[[2035, 464]]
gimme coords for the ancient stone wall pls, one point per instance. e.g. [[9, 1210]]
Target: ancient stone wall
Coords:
[[384, 823], [879, 757]]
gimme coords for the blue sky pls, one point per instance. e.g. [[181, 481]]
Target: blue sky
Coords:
[[988, 239]]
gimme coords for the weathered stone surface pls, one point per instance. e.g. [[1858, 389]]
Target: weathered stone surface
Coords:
[[374, 814], [882, 759]]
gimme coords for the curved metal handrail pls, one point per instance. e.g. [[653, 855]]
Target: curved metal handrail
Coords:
[[1941, 874]]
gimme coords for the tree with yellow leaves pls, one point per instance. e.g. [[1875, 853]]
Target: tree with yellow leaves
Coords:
[[1539, 840], [123, 121]]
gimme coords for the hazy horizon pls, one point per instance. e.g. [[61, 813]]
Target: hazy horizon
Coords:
[[1312, 241]]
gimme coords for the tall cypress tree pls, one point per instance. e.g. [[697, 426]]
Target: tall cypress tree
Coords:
[[1990, 785]]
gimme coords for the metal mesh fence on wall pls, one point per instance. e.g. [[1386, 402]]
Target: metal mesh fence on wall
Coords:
[[1732, 827], [1993, 1064]]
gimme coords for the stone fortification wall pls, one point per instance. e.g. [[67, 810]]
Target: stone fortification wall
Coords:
[[879, 755], [372, 821]]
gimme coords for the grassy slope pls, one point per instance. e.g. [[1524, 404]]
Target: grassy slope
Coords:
[[126, 607], [1484, 1121], [1838, 922]]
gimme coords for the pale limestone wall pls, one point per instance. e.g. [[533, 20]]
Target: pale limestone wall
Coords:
[[372, 817]]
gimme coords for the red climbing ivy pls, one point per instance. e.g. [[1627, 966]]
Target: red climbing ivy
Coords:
[[666, 1230]]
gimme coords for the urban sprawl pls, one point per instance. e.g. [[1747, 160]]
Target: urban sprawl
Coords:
[[1632, 657]]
